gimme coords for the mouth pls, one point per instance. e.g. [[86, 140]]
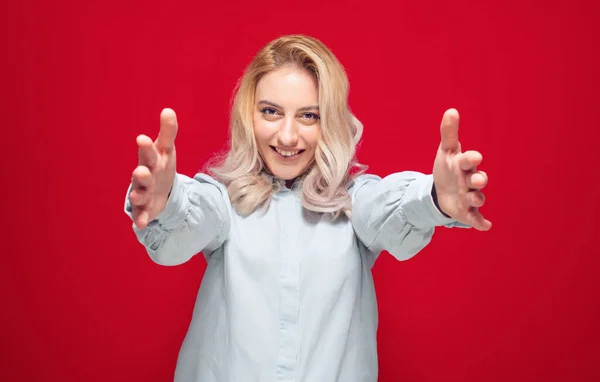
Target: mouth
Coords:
[[287, 154]]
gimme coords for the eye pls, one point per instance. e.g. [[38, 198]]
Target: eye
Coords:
[[311, 116], [268, 111]]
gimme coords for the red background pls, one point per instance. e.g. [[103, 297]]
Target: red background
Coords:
[[81, 301]]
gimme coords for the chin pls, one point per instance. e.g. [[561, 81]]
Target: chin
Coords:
[[287, 172], [287, 175]]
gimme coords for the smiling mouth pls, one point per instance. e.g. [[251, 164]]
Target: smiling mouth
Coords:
[[287, 153]]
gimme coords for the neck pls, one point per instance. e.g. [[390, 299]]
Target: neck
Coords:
[[290, 183]]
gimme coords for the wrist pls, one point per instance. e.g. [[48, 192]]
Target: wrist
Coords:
[[436, 202]]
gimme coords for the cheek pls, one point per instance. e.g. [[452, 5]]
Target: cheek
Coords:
[[312, 137], [261, 131]]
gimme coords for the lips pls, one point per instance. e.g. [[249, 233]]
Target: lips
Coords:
[[287, 153]]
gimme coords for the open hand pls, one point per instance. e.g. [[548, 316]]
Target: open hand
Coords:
[[153, 178], [457, 180]]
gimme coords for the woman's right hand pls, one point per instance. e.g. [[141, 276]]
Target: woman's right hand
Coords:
[[153, 178]]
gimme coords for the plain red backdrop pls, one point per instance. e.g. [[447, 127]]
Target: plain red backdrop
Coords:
[[81, 300]]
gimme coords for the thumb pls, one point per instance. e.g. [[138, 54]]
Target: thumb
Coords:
[[449, 131], [168, 130]]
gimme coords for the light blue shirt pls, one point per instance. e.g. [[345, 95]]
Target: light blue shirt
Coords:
[[288, 294]]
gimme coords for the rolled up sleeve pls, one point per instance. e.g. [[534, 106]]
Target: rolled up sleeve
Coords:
[[397, 213], [196, 218]]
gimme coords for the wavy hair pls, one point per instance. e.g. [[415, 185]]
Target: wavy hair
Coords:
[[324, 184]]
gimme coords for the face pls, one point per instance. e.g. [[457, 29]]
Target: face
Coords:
[[287, 121]]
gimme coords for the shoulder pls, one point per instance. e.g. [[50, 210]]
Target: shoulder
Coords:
[[211, 187], [395, 183], [202, 177], [359, 181]]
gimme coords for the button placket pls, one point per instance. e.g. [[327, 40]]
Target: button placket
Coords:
[[289, 284]]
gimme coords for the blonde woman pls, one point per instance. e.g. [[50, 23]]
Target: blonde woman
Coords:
[[290, 224]]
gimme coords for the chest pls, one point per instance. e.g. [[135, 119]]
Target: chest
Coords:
[[289, 235]]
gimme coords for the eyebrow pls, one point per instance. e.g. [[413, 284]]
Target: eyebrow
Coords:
[[305, 108]]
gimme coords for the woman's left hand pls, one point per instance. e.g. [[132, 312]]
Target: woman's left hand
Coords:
[[457, 180]]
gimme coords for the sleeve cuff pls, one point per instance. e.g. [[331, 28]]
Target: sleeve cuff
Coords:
[[175, 210], [419, 208]]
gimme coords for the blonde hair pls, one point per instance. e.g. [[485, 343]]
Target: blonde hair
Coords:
[[324, 184]]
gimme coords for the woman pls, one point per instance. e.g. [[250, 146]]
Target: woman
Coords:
[[290, 225]]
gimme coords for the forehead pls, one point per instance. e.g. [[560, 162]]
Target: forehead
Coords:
[[292, 87]]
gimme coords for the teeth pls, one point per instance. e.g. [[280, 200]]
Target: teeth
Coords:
[[286, 153]]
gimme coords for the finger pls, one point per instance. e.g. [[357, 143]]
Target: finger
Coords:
[[469, 160], [140, 184], [449, 131], [475, 198], [147, 155], [477, 180], [139, 197], [141, 177], [168, 130], [477, 221], [140, 217]]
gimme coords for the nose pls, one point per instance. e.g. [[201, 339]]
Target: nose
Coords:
[[288, 133]]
